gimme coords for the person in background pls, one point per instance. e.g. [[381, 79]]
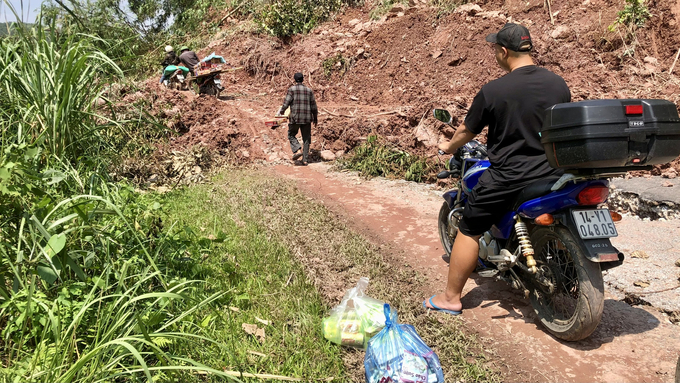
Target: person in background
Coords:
[[170, 59], [303, 113], [188, 59]]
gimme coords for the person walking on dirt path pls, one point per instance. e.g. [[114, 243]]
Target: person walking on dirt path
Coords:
[[188, 59], [170, 59], [513, 108], [303, 113]]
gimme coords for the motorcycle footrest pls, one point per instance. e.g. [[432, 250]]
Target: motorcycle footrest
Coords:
[[487, 273]]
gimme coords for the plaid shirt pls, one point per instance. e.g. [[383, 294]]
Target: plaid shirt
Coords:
[[302, 105]]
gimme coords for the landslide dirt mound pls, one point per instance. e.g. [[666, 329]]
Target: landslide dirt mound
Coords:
[[384, 76]]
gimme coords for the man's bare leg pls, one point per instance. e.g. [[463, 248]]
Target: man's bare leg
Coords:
[[463, 262]]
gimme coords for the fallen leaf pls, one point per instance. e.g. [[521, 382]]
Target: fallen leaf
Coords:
[[234, 309], [639, 254], [257, 353], [250, 329], [642, 284], [260, 334]]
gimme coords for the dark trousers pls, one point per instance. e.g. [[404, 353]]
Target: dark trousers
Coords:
[[306, 130]]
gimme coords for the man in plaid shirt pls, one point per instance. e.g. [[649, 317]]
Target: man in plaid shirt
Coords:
[[303, 113]]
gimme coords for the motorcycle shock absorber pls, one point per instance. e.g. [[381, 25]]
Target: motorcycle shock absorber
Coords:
[[525, 244]]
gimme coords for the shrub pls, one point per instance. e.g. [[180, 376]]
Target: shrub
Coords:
[[285, 18], [377, 158]]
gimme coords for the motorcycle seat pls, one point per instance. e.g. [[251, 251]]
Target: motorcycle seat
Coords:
[[534, 190]]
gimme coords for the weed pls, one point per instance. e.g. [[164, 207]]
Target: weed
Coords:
[[337, 62], [632, 17], [376, 158], [445, 7], [383, 6]]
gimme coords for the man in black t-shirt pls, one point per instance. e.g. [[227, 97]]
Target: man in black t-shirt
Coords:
[[513, 108]]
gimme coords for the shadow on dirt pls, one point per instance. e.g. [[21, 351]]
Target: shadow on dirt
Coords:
[[619, 318]]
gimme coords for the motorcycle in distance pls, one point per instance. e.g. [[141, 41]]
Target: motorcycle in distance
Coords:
[[210, 84], [552, 245], [176, 80]]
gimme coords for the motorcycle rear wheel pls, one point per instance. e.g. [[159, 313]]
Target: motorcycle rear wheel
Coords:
[[447, 233], [574, 308]]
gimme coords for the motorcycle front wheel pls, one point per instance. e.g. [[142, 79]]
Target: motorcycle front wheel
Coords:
[[571, 306], [447, 232]]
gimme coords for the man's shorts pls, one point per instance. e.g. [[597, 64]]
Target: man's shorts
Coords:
[[488, 202]]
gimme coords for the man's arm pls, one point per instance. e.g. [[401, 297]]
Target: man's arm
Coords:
[[286, 102], [315, 110], [461, 137]]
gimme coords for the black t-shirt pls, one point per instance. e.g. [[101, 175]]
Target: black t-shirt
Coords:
[[513, 108]]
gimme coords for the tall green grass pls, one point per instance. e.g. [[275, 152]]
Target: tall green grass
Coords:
[[92, 285]]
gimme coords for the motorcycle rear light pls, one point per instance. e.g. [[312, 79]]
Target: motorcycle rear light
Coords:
[[608, 257], [616, 217], [593, 195], [544, 220], [633, 110]]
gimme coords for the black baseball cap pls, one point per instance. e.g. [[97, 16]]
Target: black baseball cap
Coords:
[[512, 36], [298, 77]]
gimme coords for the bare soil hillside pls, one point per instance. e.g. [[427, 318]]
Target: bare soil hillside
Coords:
[[384, 76]]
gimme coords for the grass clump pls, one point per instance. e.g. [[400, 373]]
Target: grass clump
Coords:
[[381, 7], [333, 257], [376, 158], [445, 7]]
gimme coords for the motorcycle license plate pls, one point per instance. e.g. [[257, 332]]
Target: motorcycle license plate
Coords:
[[218, 81], [595, 223]]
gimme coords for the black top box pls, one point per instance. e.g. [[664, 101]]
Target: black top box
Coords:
[[605, 136]]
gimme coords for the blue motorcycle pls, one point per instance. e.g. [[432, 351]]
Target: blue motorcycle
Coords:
[[552, 245]]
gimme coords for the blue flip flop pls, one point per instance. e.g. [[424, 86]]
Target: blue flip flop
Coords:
[[435, 308]]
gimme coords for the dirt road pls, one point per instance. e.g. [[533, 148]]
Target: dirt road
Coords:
[[632, 343]]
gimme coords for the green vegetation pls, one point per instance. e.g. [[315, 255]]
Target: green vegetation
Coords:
[[264, 280], [445, 7], [333, 258], [381, 7], [96, 282], [376, 158], [337, 62], [634, 14], [289, 17]]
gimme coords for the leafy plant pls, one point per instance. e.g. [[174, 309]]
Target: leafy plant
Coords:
[[333, 62], [376, 158], [633, 16], [285, 18], [383, 6], [445, 7]]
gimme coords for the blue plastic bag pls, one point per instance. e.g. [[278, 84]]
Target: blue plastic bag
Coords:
[[397, 355]]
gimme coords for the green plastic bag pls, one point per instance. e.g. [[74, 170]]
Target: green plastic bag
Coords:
[[356, 319], [170, 69]]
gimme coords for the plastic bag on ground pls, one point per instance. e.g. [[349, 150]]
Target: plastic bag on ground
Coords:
[[356, 319], [398, 355]]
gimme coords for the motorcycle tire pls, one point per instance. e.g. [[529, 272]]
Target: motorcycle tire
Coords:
[[447, 233], [574, 308]]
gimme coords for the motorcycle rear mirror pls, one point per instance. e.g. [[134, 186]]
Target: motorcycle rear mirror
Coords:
[[443, 174], [442, 115]]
